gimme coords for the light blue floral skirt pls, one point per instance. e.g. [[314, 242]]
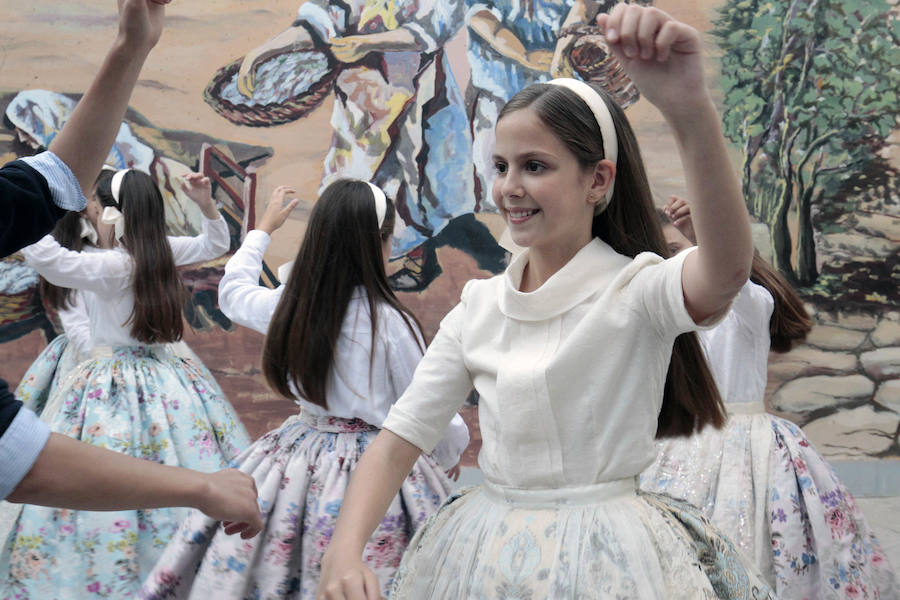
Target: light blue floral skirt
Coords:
[[141, 401], [594, 541], [45, 373], [302, 470]]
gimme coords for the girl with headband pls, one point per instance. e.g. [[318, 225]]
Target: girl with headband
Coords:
[[759, 479], [582, 353], [340, 345], [76, 231], [133, 394]]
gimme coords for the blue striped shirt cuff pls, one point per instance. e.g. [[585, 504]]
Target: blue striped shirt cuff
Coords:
[[20, 446], [64, 186]]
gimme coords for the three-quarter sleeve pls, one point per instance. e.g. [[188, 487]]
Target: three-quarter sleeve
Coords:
[[213, 242], [439, 387], [241, 298]]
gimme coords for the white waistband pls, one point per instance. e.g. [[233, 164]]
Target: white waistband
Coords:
[[571, 496], [160, 351], [745, 408]]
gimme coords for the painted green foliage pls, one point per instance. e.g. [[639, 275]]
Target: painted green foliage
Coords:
[[811, 96]]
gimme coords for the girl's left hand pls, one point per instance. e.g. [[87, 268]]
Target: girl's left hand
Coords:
[[453, 472], [350, 48], [661, 55], [199, 189]]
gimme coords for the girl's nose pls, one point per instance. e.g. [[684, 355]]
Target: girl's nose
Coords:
[[511, 184]]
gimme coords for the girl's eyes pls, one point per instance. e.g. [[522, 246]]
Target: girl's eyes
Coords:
[[531, 166]]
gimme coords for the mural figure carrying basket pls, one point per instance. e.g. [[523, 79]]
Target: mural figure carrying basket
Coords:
[[277, 89]]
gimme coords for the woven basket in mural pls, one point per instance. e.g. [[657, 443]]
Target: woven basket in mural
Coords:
[[592, 61], [288, 86]]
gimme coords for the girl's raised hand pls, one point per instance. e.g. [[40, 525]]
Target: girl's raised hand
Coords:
[[661, 55], [276, 210], [199, 189], [679, 211]]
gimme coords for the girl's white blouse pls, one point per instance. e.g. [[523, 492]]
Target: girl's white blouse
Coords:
[[104, 276], [350, 392], [570, 376], [737, 349]]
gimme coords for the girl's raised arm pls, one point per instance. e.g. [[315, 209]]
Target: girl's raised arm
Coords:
[[663, 58], [241, 297]]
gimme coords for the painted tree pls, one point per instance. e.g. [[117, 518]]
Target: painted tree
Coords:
[[811, 96]]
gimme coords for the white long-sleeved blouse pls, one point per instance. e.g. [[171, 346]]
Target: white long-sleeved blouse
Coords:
[[350, 392], [104, 276]]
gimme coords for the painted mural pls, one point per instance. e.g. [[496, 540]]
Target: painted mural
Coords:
[[405, 94]]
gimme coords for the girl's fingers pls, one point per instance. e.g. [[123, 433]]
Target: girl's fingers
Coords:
[[628, 30], [651, 21]]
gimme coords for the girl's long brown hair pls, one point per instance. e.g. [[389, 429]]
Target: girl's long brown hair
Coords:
[[68, 233], [790, 322], [159, 293], [629, 225], [341, 251]]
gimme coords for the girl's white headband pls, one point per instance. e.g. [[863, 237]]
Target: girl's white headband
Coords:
[[116, 184], [604, 119], [380, 203], [111, 215]]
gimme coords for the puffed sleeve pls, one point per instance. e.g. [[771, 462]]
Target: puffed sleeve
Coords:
[[212, 242], [438, 389], [241, 298]]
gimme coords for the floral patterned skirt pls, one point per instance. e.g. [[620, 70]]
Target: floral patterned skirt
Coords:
[[595, 541], [302, 470], [45, 373], [763, 484], [144, 402]]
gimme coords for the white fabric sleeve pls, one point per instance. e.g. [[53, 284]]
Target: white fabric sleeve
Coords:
[[241, 298], [403, 358], [76, 323], [659, 295], [438, 389], [103, 272], [212, 242]]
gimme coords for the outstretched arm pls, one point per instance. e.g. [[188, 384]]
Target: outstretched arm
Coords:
[[84, 141], [72, 474], [663, 57], [380, 473]]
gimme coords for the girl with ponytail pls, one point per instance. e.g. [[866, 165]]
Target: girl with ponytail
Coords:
[[133, 394], [579, 356]]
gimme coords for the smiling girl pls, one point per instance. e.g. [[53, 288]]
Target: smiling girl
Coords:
[[578, 357]]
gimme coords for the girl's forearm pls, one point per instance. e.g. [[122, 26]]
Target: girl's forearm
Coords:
[[380, 473], [721, 225]]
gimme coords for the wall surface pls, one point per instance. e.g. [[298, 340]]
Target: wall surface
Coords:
[[407, 107]]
